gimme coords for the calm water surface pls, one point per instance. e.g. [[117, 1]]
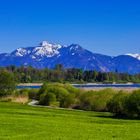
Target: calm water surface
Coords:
[[93, 86]]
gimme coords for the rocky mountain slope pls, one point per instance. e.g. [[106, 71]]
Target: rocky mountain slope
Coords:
[[71, 56]]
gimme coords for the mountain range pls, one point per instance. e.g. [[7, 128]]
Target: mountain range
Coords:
[[70, 56]]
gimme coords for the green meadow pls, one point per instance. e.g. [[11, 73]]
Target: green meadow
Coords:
[[22, 122]]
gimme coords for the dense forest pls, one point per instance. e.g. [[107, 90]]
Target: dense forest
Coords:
[[60, 74]]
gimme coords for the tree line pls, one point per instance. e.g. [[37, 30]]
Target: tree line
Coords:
[[60, 74]]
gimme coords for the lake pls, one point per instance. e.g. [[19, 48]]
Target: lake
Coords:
[[93, 86]]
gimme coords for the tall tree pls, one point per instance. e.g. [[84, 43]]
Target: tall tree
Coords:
[[7, 83]]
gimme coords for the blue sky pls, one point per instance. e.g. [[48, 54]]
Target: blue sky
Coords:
[[109, 27]]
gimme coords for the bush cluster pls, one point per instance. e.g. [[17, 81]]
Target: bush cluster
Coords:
[[120, 103], [96, 100], [31, 93], [125, 105], [60, 95], [67, 96]]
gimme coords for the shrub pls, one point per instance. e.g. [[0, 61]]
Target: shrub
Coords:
[[96, 100], [67, 101], [62, 95], [101, 99], [59, 92], [86, 101], [33, 94], [76, 94], [47, 99], [71, 89], [132, 104], [23, 92], [42, 90], [123, 104], [116, 104]]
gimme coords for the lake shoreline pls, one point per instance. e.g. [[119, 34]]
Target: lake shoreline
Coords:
[[114, 88], [89, 86], [39, 84], [30, 84]]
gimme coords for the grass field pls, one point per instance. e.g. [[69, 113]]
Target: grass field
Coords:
[[21, 122]]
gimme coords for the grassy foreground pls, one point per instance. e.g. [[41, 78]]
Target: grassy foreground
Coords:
[[22, 122]]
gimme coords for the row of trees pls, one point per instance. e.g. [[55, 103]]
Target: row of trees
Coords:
[[59, 74]]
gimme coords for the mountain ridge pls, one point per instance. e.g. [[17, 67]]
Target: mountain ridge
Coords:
[[71, 56]]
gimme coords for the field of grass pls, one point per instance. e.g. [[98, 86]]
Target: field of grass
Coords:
[[22, 122]]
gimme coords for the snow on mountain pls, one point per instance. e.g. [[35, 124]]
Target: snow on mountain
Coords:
[[47, 49], [44, 49], [70, 56], [21, 52], [134, 55]]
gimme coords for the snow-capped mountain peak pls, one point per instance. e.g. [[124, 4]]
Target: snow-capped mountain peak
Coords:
[[21, 52], [47, 49], [44, 43], [44, 49], [134, 55]]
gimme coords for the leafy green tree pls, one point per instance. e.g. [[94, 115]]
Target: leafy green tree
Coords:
[[7, 83]]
